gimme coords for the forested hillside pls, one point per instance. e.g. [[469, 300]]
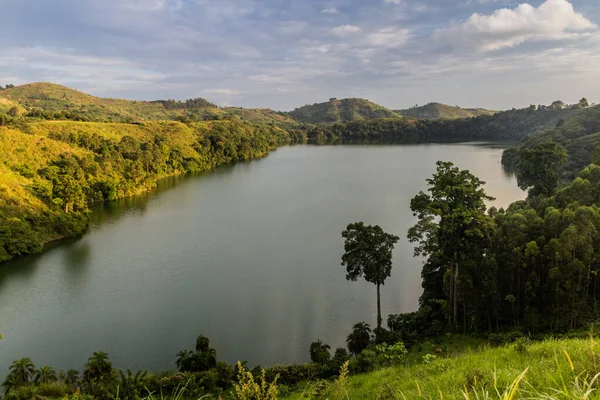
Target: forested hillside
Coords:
[[341, 111], [579, 135], [442, 111], [50, 172], [510, 125]]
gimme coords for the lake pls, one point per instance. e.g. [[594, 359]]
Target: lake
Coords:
[[248, 255]]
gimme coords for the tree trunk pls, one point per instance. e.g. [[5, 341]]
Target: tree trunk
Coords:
[[451, 294], [378, 308], [456, 298]]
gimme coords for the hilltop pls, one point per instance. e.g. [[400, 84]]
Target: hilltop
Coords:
[[52, 101], [345, 110], [443, 111]]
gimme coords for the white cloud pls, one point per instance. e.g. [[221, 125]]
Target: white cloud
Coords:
[[392, 1], [553, 19], [331, 10], [388, 37], [344, 30]]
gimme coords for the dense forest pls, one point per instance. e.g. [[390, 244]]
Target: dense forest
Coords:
[[578, 135], [510, 125]]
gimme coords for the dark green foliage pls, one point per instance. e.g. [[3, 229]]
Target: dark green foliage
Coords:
[[578, 135], [506, 125], [454, 232], [46, 374], [368, 255], [360, 338], [319, 352], [203, 359], [540, 167]]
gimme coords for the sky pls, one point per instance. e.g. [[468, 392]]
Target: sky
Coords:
[[283, 54]]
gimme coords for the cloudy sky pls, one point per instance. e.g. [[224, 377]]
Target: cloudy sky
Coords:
[[286, 53]]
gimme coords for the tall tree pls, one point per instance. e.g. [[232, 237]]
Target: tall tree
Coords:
[[368, 254], [452, 229], [540, 168]]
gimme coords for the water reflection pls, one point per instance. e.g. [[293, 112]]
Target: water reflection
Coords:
[[248, 255]]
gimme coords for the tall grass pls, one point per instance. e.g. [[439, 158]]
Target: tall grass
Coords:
[[549, 370]]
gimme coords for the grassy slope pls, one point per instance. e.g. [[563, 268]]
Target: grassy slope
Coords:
[[479, 370], [33, 146], [344, 110], [56, 98], [443, 111]]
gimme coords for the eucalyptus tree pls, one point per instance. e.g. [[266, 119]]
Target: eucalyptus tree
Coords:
[[452, 230]]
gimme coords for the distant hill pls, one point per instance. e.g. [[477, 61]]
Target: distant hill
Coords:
[[345, 110], [443, 111], [512, 125], [60, 102], [578, 134]]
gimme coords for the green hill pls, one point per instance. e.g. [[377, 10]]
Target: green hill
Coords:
[[51, 171], [344, 110], [578, 134], [51, 101], [443, 111]]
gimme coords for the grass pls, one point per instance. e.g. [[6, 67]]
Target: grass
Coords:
[[551, 370], [443, 111], [344, 110], [56, 98]]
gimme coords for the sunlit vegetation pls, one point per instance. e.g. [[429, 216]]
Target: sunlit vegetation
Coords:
[[442, 111], [344, 110], [47, 101], [50, 172]]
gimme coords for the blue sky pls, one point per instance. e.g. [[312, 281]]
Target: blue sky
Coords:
[[283, 54]]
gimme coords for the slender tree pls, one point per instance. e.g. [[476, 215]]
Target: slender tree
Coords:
[[369, 255]]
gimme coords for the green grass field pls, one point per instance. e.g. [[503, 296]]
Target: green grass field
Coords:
[[553, 369]]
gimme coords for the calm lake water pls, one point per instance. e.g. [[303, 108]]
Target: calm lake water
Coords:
[[248, 255]]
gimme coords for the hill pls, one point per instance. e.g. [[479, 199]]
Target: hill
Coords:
[[511, 125], [51, 171], [344, 110], [51, 101], [443, 111], [578, 134]]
